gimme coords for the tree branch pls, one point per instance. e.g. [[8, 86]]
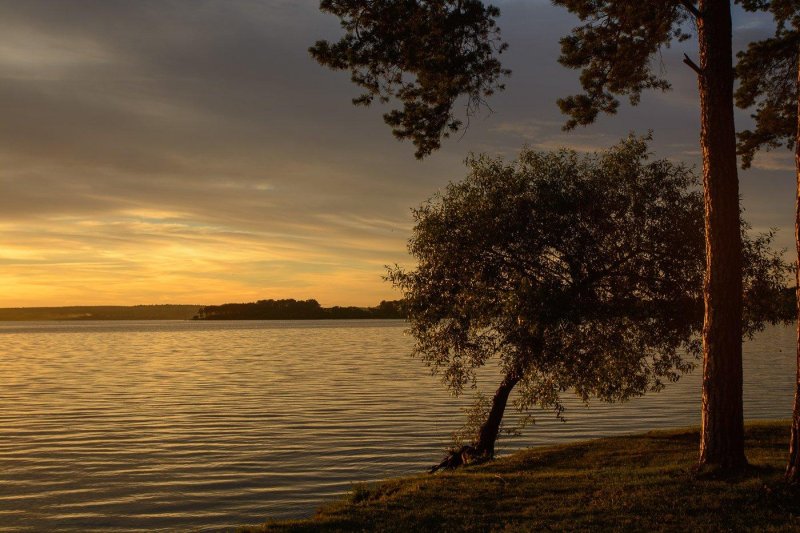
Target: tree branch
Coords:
[[691, 8], [692, 65]]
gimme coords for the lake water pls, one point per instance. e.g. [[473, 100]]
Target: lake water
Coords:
[[210, 425]]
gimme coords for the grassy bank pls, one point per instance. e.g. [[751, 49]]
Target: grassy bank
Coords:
[[642, 483]]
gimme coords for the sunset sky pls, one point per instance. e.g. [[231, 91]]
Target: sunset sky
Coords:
[[192, 152]]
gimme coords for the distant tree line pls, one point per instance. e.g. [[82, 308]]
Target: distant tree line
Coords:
[[291, 309]]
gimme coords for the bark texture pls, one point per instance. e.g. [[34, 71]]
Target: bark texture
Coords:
[[483, 448], [488, 432], [722, 436], [793, 467], [487, 435]]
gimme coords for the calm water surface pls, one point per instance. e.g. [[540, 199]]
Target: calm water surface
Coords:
[[210, 425]]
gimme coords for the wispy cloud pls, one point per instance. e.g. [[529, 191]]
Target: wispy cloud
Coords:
[[191, 151], [777, 160]]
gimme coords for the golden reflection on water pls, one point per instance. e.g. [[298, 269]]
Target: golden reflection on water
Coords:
[[176, 425]]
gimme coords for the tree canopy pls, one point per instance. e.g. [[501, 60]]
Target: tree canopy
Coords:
[[614, 49], [580, 273], [424, 54], [430, 53], [767, 72]]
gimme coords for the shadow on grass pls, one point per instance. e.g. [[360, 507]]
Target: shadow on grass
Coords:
[[632, 483]]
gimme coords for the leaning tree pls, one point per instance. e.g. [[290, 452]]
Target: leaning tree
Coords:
[[769, 73], [430, 55], [521, 264]]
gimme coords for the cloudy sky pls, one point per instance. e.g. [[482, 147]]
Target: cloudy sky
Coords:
[[190, 151]]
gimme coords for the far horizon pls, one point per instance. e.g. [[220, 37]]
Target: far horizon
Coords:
[[322, 303]]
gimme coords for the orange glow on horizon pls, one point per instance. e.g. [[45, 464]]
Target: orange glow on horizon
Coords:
[[128, 261]]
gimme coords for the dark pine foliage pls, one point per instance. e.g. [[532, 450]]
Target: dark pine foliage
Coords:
[[430, 55], [767, 72], [614, 49], [425, 54]]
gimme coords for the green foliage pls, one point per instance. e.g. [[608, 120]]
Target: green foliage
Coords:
[[632, 483], [425, 54], [583, 273], [767, 72]]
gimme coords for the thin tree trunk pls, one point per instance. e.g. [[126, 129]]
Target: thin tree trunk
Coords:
[[722, 436], [793, 467], [487, 435]]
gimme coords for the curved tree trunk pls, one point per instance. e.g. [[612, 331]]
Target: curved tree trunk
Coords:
[[483, 447], [487, 435], [793, 467], [722, 436]]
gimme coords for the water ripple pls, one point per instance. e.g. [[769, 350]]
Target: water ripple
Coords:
[[115, 426]]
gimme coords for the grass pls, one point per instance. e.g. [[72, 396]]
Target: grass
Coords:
[[634, 483]]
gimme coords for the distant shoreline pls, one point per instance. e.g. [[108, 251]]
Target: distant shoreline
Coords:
[[100, 312], [261, 310], [290, 309]]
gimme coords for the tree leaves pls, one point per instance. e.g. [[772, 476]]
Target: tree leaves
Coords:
[[424, 54], [615, 49], [767, 72], [600, 257]]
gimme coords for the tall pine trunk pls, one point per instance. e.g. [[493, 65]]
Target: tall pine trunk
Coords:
[[793, 467], [722, 437]]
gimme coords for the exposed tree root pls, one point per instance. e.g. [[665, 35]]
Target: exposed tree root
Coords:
[[466, 455]]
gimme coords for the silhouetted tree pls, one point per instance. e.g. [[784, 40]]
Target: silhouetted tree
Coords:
[[769, 72], [288, 309], [428, 54], [522, 263], [390, 309], [291, 309]]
